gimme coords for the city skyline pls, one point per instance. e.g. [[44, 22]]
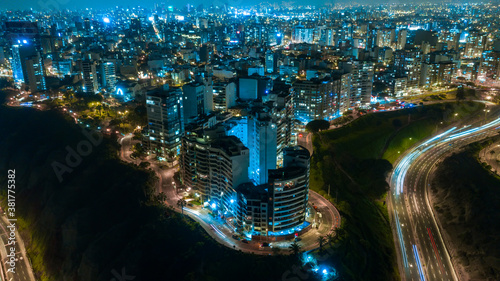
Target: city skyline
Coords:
[[251, 141], [54, 5]]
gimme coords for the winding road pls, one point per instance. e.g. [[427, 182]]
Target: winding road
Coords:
[[422, 252]]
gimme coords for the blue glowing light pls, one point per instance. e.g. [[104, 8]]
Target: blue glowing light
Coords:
[[232, 201], [106, 20], [214, 205], [325, 271], [119, 92]]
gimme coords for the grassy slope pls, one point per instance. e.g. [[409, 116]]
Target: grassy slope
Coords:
[[348, 159]]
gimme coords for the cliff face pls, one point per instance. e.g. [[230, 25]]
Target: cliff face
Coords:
[[467, 201]]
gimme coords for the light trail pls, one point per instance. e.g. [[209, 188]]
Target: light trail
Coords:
[[401, 242], [435, 250], [434, 146], [218, 231], [404, 164], [419, 265]]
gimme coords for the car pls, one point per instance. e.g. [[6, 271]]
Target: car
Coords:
[[245, 241], [265, 245]]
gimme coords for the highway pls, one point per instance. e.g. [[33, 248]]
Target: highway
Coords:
[[422, 253], [23, 271]]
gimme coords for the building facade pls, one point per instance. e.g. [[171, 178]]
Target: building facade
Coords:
[[213, 167], [278, 207], [165, 121]]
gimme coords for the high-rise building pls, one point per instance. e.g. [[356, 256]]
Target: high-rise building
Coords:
[[402, 35], [213, 167], [385, 37], [489, 68], [362, 73], [327, 37], [108, 75], [254, 87], [89, 76], [277, 208], [24, 32], [27, 62], [289, 189], [262, 137], [135, 26], [408, 63], [195, 101], [35, 73], [165, 121], [258, 131], [206, 53], [2, 55], [271, 62], [224, 95], [321, 98], [281, 96], [397, 86], [450, 39], [27, 66], [437, 73], [301, 34], [474, 44]]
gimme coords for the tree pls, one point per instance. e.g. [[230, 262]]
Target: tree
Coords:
[[294, 248], [161, 197], [144, 165], [331, 237], [460, 94], [397, 123], [321, 242], [317, 125], [340, 232], [276, 251], [181, 204]]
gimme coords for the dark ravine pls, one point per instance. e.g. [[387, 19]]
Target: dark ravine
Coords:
[[466, 199]]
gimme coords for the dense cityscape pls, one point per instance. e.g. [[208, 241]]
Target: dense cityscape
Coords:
[[274, 142]]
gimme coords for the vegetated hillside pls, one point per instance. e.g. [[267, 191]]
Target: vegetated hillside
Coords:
[[353, 161], [103, 215], [466, 198]]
